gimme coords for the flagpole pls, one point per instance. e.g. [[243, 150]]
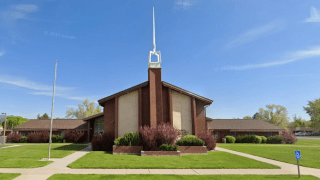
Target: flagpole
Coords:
[[54, 85]]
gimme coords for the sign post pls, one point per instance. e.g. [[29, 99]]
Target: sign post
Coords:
[[298, 157]]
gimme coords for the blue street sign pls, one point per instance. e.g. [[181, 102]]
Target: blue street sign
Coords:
[[298, 154]]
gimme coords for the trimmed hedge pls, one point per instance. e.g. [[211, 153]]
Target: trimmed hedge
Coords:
[[258, 140], [129, 139], [38, 137], [190, 140], [230, 139], [264, 139], [23, 139], [248, 139], [168, 147], [274, 140], [57, 139]]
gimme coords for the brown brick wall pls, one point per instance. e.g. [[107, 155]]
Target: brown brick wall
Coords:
[[155, 90], [160, 153], [127, 149], [193, 149], [165, 102], [200, 122], [145, 106], [109, 116]]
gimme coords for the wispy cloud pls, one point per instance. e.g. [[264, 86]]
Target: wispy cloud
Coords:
[[62, 95], [183, 4], [290, 58], [315, 15], [21, 82], [256, 33], [1, 53]]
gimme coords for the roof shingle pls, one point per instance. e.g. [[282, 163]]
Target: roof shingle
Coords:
[[57, 124]]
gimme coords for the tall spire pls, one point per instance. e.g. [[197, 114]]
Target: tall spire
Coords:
[[154, 52], [154, 33]]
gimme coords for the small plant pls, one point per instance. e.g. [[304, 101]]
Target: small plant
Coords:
[[103, 142], [264, 139], [208, 139], [257, 140], [57, 139], [14, 138], [152, 138], [190, 140], [128, 139], [74, 136], [274, 140], [168, 147], [230, 139], [23, 139], [288, 137]]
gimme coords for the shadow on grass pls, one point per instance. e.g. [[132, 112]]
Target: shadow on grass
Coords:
[[108, 152], [70, 147]]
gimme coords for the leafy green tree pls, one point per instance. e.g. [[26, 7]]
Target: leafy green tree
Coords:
[[313, 109], [85, 109], [299, 122], [14, 121], [247, 117], [275, 114], [44, 116], [255, 116]]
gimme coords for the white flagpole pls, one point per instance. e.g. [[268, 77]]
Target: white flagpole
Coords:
[[54, 85]]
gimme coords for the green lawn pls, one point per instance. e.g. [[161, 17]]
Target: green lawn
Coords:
[[285, 153], [28, 156], [8, 176], [308, 142], [177, 177], [214, 160]]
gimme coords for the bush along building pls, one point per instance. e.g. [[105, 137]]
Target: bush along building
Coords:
[[149, 104]]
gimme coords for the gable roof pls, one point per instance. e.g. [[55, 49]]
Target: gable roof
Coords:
[[165, 84], [241, 125], [92, 117], [57, 124]]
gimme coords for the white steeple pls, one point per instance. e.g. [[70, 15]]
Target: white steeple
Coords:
[[154, 52]]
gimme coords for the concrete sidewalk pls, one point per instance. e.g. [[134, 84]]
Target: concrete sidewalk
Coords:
[[59, 166]]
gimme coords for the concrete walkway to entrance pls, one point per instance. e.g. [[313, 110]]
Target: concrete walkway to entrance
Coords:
[[59, 166]]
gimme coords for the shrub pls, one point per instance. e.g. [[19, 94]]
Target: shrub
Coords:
[[257, 140], [168, 147], [103, 142], [23, 139], [263, 139], [152, 138], [129, 139], [288, 137], [274, 140], [248, 139], [38, 137], [74, 136], [190, 140], [14, 138], [57, 139], [230, 139], [208, 139]]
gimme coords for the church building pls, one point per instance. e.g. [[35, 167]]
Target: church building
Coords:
[[149, 104]]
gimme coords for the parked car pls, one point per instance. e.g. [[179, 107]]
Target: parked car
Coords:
[[315, 134], [300, 134]]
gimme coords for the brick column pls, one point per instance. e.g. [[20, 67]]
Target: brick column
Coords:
[[170, 106], [116, 108], [140, 107], [193, 115], [155, 89]]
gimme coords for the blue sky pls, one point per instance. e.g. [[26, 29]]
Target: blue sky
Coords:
[[241, 54]]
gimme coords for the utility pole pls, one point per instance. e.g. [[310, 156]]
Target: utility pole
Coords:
[[5, 126], [54, 85]]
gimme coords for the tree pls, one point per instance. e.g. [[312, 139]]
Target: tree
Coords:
[[85, 109], [299, 122], [313, 109], [14, 121], [247, 117], [255, 116], [274, 114], [44, 116]]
